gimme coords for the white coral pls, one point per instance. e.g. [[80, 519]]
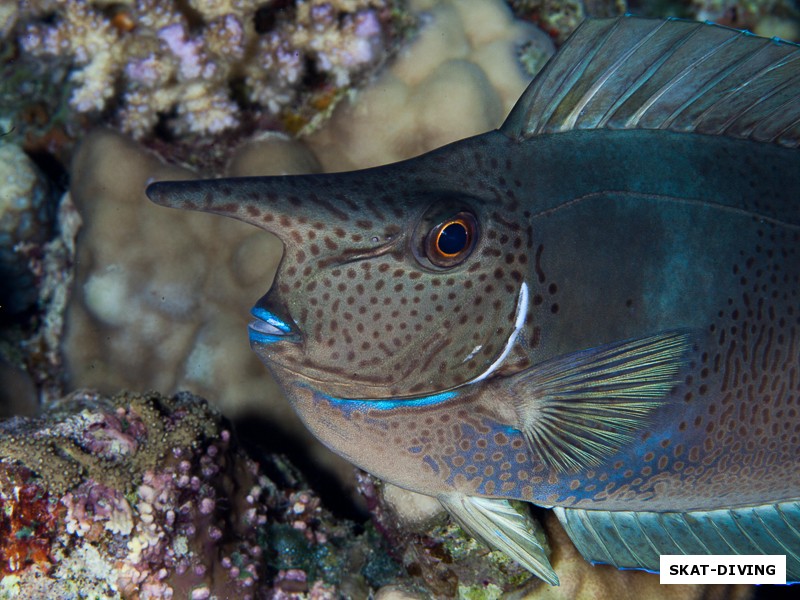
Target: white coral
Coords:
[[92, 41], [204, 111], [210, 9]]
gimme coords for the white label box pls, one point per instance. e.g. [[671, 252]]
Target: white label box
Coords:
[[723, 568]]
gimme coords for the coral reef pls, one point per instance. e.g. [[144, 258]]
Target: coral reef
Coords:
[[143, 496], [207, 66], [559, 18], [37, 251], [53, 263], [461, 76], [26, 219], [132, 493], [778, 18]]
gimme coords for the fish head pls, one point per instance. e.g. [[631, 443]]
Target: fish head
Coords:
[[396, 281]]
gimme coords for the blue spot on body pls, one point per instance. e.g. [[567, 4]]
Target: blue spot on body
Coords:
[[432, 464]]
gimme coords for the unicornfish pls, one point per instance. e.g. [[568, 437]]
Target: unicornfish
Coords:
[[594, 309]]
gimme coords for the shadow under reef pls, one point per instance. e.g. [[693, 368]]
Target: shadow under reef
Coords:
[[259, 437]]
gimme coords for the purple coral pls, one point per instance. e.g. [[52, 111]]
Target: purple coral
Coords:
[[188, 52], [114, 435], [94, 505]]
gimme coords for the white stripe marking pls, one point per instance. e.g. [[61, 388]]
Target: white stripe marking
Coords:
[[519, 323], [475, 350]]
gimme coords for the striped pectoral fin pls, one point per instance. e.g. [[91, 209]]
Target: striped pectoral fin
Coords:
[[636, 540], [577, 409], [500, 526]]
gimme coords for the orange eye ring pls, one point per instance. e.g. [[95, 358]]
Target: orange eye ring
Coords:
[[452, 240]]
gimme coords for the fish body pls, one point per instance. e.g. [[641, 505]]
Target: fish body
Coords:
[[595, 308]]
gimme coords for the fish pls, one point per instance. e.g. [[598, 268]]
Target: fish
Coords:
[[594, 309]]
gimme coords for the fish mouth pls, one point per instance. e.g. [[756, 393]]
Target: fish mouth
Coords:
[[268, 328]]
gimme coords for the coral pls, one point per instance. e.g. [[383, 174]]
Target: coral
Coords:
[[134, 481], [559, 18], [207, 65], [26, 522], [26, 218], [461, 77], [161, 314], [114, 442], [779, 18], [144, 497], [33, 94], [53, 265], [37, 249]]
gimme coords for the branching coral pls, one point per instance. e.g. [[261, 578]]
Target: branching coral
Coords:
[[199, 63]]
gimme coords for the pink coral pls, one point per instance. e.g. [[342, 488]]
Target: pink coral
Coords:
[[94, 505], [114, 435]]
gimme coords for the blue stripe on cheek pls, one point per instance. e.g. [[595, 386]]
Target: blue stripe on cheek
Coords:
[[350, 405]]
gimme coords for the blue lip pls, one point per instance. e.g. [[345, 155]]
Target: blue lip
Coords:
[[268, 328]]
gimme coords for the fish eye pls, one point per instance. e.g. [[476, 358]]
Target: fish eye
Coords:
[[450, 242]]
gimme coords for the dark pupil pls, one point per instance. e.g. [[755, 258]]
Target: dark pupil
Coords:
[[452, 239]]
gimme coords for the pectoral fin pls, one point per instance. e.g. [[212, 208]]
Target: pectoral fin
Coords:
[[497, 524], [635, 540], [577, 409]]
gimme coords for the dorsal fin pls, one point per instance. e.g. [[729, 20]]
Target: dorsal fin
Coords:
[[634, 73]]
